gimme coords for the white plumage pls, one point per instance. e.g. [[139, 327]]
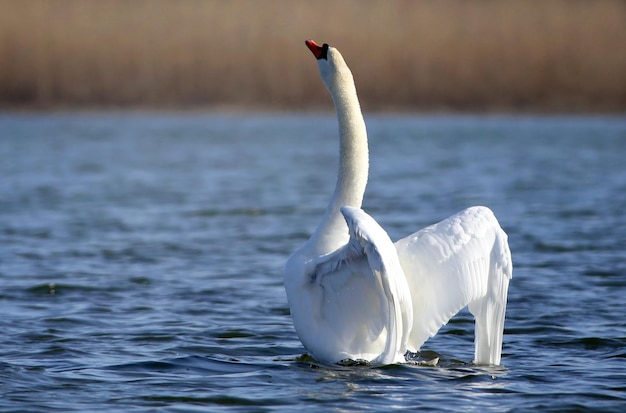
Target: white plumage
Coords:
[[353, 294], [463, 260]]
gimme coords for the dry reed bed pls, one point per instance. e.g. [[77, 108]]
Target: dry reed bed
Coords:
[[460, 54]]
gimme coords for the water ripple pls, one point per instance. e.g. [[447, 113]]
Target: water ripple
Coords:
[[141, 261]]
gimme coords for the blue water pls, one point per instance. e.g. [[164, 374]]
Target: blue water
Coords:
[[141, 260]]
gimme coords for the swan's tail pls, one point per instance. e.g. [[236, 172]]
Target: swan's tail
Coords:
[[490, 309]]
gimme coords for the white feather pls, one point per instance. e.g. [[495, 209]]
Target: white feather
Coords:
[[363, 301], [463, 260]]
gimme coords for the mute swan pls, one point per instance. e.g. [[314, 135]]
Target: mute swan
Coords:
[[354, 294]]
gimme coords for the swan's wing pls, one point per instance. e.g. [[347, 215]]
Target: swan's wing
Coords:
[[463, 260], [365, 290]]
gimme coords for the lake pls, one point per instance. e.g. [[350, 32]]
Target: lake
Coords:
[[141, 260]]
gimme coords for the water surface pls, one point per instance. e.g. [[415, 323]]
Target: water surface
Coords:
[[141, 260]]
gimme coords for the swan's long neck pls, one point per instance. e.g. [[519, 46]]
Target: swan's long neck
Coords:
[[332, 232]]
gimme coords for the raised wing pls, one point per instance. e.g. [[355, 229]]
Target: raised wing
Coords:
[[366, 300], [463, 260]]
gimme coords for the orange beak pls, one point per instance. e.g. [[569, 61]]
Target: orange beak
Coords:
[[314, 47]]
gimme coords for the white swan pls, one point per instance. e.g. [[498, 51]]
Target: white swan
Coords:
[[353, 294]]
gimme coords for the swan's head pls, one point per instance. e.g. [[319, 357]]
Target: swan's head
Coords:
[[333, 68]]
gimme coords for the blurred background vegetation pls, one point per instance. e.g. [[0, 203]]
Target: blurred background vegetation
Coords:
[[469, 55]]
